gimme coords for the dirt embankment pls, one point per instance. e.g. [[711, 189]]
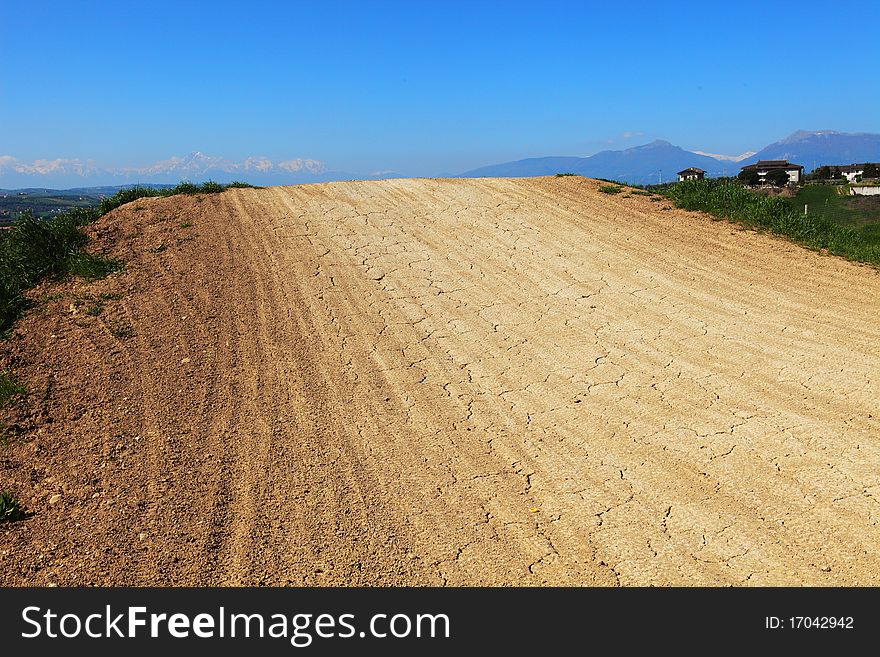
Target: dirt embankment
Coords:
[[446, 382]]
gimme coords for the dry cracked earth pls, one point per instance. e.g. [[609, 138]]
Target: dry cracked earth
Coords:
[[446, 382]]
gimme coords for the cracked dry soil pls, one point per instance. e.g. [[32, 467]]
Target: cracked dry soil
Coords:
[[446, 382]]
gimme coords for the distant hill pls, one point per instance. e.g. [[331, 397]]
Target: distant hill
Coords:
[[644, 164], [813, 149]]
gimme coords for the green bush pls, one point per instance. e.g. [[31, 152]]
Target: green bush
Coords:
[[610, 189]]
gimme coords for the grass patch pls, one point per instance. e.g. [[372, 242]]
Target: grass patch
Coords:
[[730, 200], [116, 296], [124, 196], [93, 267], [9, 388], [10, 509], [95, 308], [861, 213], [642, 192], [610, 189], [563, 175], [121, 332], [186, 225]]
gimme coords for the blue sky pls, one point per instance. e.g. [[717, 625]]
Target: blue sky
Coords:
[[424, 88]]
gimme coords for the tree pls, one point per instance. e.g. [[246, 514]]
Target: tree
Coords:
[[748, 177], [872, 170], [823, 173], [778, 177]]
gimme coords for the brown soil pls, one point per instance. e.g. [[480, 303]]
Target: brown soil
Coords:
[[446, 382]]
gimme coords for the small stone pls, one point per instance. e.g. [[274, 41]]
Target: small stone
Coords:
[[184, 360], [55, 499]]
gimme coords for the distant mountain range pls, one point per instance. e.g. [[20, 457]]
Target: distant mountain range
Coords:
[[660, 160], [195, 167], [649, 163]]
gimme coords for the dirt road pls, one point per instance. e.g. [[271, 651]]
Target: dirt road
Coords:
[[447, 382]]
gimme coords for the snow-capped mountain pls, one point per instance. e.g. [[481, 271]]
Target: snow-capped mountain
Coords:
[[195, 167], [813, 149], [660, 160], [730, 158]]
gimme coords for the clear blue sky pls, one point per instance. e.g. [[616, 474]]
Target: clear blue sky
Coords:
[[426, 87]]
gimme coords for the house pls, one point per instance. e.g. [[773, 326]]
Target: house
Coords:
[[691, 173], [849, 171], [763, 167]]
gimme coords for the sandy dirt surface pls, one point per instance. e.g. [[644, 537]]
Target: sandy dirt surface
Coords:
[[446, 382]]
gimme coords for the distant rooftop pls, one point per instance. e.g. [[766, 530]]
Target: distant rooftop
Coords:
[[772, 164]]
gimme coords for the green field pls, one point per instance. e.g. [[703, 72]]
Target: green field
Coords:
[[861, 213], [43, 203]]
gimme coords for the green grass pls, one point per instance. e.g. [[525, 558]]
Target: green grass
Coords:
[[124, 196], [563, 175], [861, 213], [610, 189], [729, 200], [9, 388], [642, 192], [121, 332], [10, 509], [95, 308]]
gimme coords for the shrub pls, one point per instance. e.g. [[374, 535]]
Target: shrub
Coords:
[[610, 189]]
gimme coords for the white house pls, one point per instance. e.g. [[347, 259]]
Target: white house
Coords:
[[851, 171], [691, 173], [763, 167]]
